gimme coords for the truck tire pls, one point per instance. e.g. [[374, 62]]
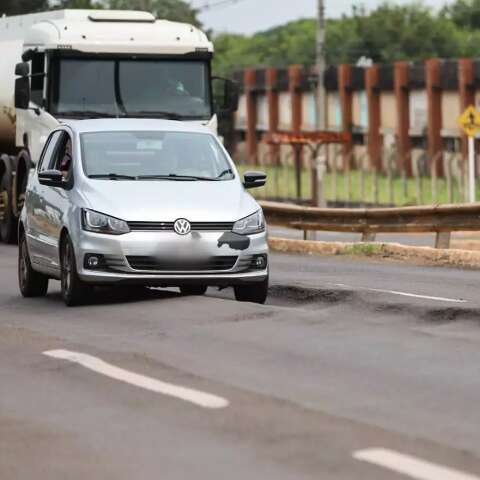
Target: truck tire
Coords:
[[8, 221]]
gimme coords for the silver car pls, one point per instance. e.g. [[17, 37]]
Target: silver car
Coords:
[[146, 202]]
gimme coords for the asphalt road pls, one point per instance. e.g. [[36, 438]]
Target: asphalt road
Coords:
[[354, 370]]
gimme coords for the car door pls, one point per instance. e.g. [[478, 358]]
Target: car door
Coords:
[[36, 211], [56, 201]]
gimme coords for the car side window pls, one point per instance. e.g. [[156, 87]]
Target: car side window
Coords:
[[46, 159], [63, 156]]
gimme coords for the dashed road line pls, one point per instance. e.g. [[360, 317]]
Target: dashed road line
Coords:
[[201, 399], [404, 294], [410, 466]]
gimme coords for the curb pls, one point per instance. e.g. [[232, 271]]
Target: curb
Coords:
[[394, 251]]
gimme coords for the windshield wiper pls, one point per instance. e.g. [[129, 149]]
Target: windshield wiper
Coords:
[[113, 176], [159, 114], [225, 172], [172, 176], [90, 114]]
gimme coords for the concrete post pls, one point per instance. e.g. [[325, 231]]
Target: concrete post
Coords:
[[402, 95], [373, 98], [252, 143], [345, 92], [434, 99]]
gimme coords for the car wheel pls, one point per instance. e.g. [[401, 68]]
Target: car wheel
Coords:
[[31, 283], [74, 291], [254, 292], [193, 290]]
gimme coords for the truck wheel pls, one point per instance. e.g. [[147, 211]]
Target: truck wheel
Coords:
[[193, 290], [31, 283], [255, 292], [8, 222], [74, 291]]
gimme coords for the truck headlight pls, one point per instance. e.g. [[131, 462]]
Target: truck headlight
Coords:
[[254, 223], [100, 223]]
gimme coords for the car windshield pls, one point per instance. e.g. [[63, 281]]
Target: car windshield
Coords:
[[158, 88], [153, 155]]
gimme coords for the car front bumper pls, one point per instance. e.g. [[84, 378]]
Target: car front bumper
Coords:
[[197, 245]]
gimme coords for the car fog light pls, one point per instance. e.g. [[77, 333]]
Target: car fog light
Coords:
[[94, 261], [260, 262]]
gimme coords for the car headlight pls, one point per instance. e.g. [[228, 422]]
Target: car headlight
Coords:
[[99, 223], [249, 225]]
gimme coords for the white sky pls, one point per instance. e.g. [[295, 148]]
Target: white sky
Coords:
[[249, 16]]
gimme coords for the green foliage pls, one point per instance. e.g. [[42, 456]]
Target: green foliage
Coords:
[[19, 7], [388, 33], [464, 13]]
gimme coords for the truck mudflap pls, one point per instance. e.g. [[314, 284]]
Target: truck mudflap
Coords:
[[8, 220]]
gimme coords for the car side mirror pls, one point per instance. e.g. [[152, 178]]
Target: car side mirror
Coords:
[[22, 93], [22, 69], [226, 95], [254, 179], [51, 178]]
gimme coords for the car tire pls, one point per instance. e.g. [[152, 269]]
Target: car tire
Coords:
[[193, 290], [74, 291], [254, 292], [31, 283]]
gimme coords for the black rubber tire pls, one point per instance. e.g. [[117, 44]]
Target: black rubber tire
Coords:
[[254, 292], [31, 283], [193, 290], [74, 291], [8, 222]]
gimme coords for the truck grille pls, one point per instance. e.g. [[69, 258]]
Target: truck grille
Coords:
[[168, 226], [171, 265]]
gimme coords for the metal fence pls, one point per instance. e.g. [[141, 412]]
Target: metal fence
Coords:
[[354, 182]]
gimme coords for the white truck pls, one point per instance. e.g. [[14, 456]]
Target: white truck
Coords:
[[77, 64]]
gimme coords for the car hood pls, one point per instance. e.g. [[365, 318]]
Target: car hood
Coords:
[[165, 200]]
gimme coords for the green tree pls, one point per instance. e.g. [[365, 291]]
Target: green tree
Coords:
[[20, 7], [78, 4], [464, 13]]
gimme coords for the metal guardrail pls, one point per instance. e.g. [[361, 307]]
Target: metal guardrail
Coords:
[[440, 219]]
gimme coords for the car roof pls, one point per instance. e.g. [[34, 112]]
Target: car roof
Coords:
[[134, 124]]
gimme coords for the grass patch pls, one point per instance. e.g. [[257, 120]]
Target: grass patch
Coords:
[[357, 188], [367, 249]]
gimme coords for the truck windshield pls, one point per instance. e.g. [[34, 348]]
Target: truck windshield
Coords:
[[153, 155], [157, 88]]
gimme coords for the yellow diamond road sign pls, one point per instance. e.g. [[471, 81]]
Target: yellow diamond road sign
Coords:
[[469, 121]]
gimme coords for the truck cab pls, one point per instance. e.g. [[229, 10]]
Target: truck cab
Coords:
[[82, 64]]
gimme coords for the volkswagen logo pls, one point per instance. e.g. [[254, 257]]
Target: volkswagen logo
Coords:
[[182, 226]]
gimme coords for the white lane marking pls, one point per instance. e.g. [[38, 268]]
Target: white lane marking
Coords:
[[196, 397], [410, 466], [405, 294]]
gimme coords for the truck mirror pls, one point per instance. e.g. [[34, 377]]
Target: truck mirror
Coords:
[[22, 93], [22, 69], [226, 95]]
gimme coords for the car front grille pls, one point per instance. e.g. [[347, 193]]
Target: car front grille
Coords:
[[218, 263], [168, 226]]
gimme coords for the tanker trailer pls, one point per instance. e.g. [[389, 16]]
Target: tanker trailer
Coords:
[[80, 64]]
